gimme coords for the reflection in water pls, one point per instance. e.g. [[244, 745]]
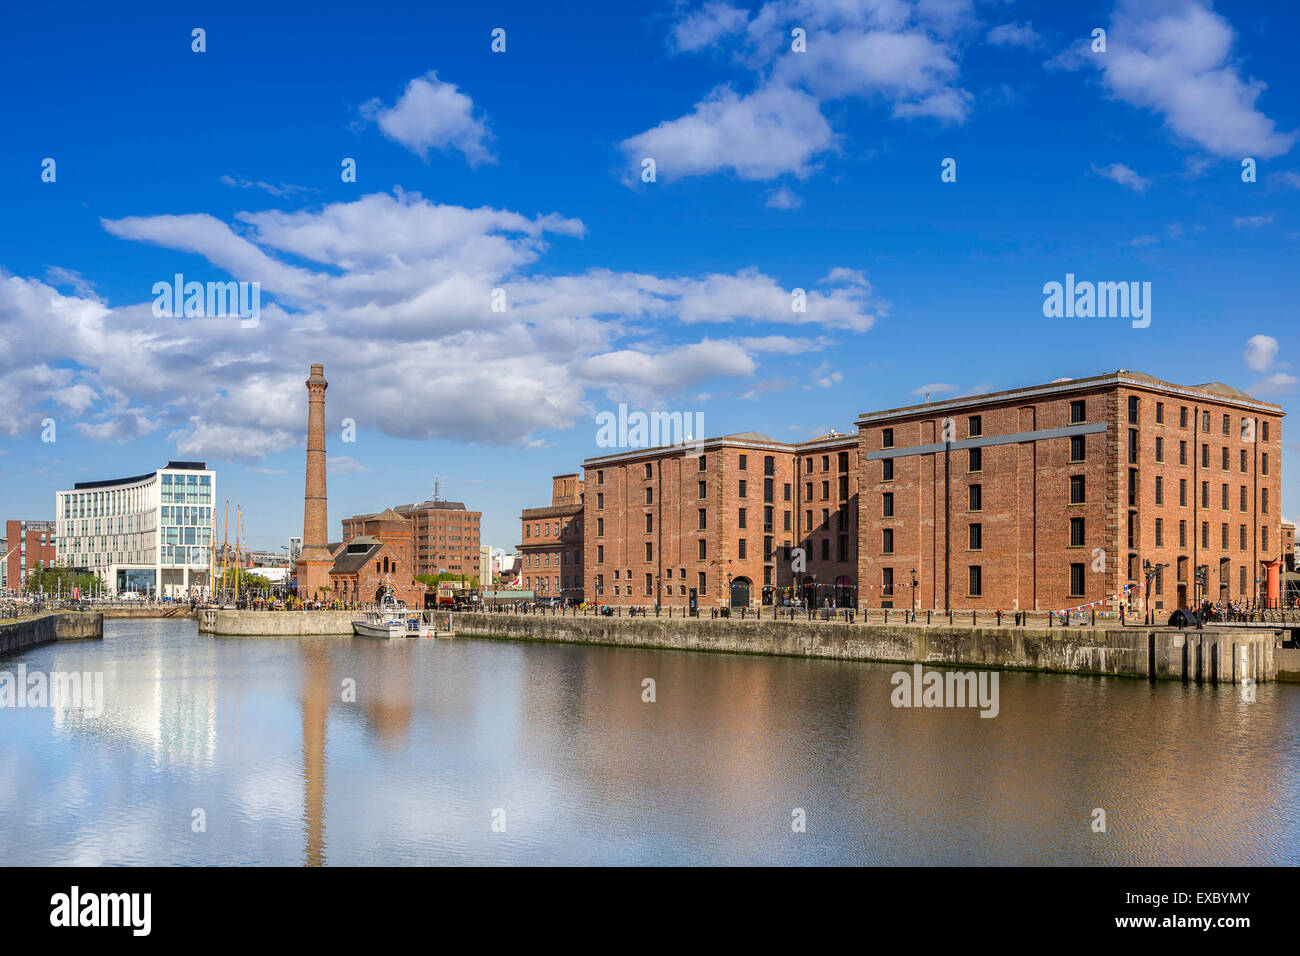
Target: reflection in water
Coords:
[[257, 734]]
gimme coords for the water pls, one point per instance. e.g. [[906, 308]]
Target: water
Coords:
[[256, 735]]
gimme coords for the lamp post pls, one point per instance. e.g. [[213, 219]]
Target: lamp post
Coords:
[[914, 605]]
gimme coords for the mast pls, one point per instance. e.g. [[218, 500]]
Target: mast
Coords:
[[238, 516]]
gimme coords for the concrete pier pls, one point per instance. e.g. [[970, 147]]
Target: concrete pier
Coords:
[[62, 626]]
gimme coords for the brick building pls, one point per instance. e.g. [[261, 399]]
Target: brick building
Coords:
[[446, 535], [1054, 496], [26, 545], [379, 550], [551, 542], [705, 523]]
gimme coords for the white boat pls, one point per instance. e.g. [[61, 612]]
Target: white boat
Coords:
[[386, 620]]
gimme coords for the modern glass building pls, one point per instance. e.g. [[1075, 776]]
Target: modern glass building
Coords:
[[150, 533]]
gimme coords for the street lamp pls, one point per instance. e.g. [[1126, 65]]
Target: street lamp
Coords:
[[914, 605]]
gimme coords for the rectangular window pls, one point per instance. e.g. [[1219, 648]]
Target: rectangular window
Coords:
[[741, 517], [1205, 531], [1182, 534], [649, 496], [703, 490], [976, 460], [1160, 448], [600, 500], [1205, 456], [887, 541], [787, 491], [887, 466], [887, 505], [975, 537], [1182, 417], [1076, 580], [1160, 490], [975, 426], [1223, 536], [1077, 409], [649, 472], [1160, 533], [600, 527], [1132, 446], [649, 524], [1076, 447], [1263, 463], [1182, 453], [976, 581], [1243, 497], [1243, 537], [1223, 496], [1226, 466], [976, 498], [1205, 422], [1205, 494], [703, 551], [1263, 431], [1132, 409], [769, 465], [649, 551], [826, 490], [1076, 490], [1243, 461], [1263, 501], [887, 438], [741, 545], [1160, 413], [1227, 425], [1076, 532], [744, 461], [744, 489]]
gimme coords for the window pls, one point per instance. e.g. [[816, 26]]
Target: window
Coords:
[[787, 491], [887, 505], [1076, 490], [1243, 537], [975, 581], [649, 496], [1076, 532], [1263, 539], [1076, 580], [1132, 446], [887, 438], [649, 551], [741, 517], [704, 490], [649, 587], [826, 549], [1226, 466], [1077, 411], [826, 490], [649, 524], [702, 462], [1205, 456], [1263, 431], [1182, 534], [1160, 448], [1227, 425], [1223, 497], [1223, 536], [699, 582], [888, 469], [1076, 448], [787, 521], [976, 500], [1205, 532], [1132, 409], [1263, 501], [1205, 494], [1132, 487], [1243, 497], [975, 537], [1205, 422], [600, 477], [976, 462], [769, 490], [807, 490], [887, 581], [769, 465], [1160, 413], [975, 426], [703, 552], [887, 541], [1182, 416], [744, 463], [704, 523], [1243, 461], [843, 545], [1160, 490], [1263, 464], [744, 489], [1182, 453], [600, 554], [649, 473], [741, 546], [600, 500], [1160, 533]]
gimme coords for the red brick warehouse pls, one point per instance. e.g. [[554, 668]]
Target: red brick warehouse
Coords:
[[1057, 495]]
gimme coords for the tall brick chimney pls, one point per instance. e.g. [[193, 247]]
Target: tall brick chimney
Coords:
[[315, 561]]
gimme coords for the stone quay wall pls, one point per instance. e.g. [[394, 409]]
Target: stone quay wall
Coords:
[[1219, 655], [48, 628]]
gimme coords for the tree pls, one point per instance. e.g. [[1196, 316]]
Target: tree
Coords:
[[60, 580]]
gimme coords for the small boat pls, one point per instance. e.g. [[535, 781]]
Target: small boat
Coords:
[[388, 619]]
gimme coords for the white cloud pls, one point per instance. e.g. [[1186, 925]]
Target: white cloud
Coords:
[[343, 465], [57, 276], [1175, 59], [432, 114], [394, 294], [1261, 350], [282, 190], [1143, 241], [1125, 176], [934, 388], [783, 198], [1251, 222], [763, 135], [1273, 384], [898, 52], [1014, 34]]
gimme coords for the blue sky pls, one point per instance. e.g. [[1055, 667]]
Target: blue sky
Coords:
[[521, 171]]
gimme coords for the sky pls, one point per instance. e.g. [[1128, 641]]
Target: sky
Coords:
[[505, 265]]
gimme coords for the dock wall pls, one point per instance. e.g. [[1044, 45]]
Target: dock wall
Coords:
[[63, 626]]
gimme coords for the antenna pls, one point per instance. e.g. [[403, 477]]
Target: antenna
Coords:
[[437, 486]]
